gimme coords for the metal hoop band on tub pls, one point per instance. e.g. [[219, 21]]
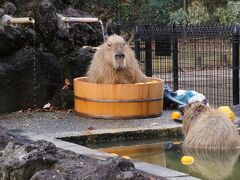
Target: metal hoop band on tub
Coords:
[[118, 100]]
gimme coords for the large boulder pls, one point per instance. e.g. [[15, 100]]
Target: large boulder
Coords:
[[13, 39], [113, 168], [28, 79], [61, 40], [76, 63], [21, 162]]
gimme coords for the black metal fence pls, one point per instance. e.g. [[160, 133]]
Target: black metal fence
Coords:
[[202, 58]]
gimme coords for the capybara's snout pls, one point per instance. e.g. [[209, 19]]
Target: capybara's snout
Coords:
[[120, 60], [119, 56]]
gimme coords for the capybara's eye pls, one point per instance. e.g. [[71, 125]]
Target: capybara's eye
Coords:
[[109, 44]]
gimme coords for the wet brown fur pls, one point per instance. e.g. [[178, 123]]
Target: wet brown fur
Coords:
[[208, 128], [102, 67]]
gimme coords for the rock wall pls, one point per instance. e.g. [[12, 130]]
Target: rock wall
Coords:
[[35, 60]]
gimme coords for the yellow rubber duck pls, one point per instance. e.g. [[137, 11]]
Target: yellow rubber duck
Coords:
[[228, 112], [187, 160], [176, 115]]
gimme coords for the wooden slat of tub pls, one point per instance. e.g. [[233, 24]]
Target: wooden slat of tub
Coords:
[[117, 91], [119, 110]]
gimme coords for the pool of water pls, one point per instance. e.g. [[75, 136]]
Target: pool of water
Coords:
[[207, 164]]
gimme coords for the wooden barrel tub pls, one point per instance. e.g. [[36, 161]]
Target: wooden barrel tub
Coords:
[[115, 101]]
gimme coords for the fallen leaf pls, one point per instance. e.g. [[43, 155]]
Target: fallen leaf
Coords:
[[64, 87], [70, 111], [46, 106], [67, 82], [91, 128]]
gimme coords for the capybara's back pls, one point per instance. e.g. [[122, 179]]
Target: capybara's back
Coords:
[[212, 130]]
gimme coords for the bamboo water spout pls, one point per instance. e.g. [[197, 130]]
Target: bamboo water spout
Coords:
[[77, 19], [63, 22], [8, 20]]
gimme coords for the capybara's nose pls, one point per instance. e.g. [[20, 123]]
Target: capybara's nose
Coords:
[[119, 56]]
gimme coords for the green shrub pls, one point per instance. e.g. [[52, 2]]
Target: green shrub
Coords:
[[178, 17], [197, 13], [229, 14]]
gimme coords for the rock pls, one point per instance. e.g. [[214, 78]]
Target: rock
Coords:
[[113, 168], [6, 137], [48, 175], [61, 41], [12, 39], [63, 99], [1, 12], [128, 175], [21, 162], [45, 25], [76, 63], [19, 90], [72, 169], [9, 8]]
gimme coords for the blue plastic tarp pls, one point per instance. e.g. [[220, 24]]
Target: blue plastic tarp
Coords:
[[183, 97]]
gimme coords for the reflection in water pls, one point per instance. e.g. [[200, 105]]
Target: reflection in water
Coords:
[[208, 164], [153, 153], [213, 164]]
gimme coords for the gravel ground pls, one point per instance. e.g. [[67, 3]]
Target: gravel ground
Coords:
[[58, 122]]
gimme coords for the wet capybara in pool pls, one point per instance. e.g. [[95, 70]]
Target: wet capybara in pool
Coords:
[[207, 128]]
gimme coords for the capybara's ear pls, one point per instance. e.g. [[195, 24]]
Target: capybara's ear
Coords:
[[200, 107], [107, 37]]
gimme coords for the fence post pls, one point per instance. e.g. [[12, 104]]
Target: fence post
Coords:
[[118, 31], [148, 54], [235, 66], [137, 45], [175, 58]]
